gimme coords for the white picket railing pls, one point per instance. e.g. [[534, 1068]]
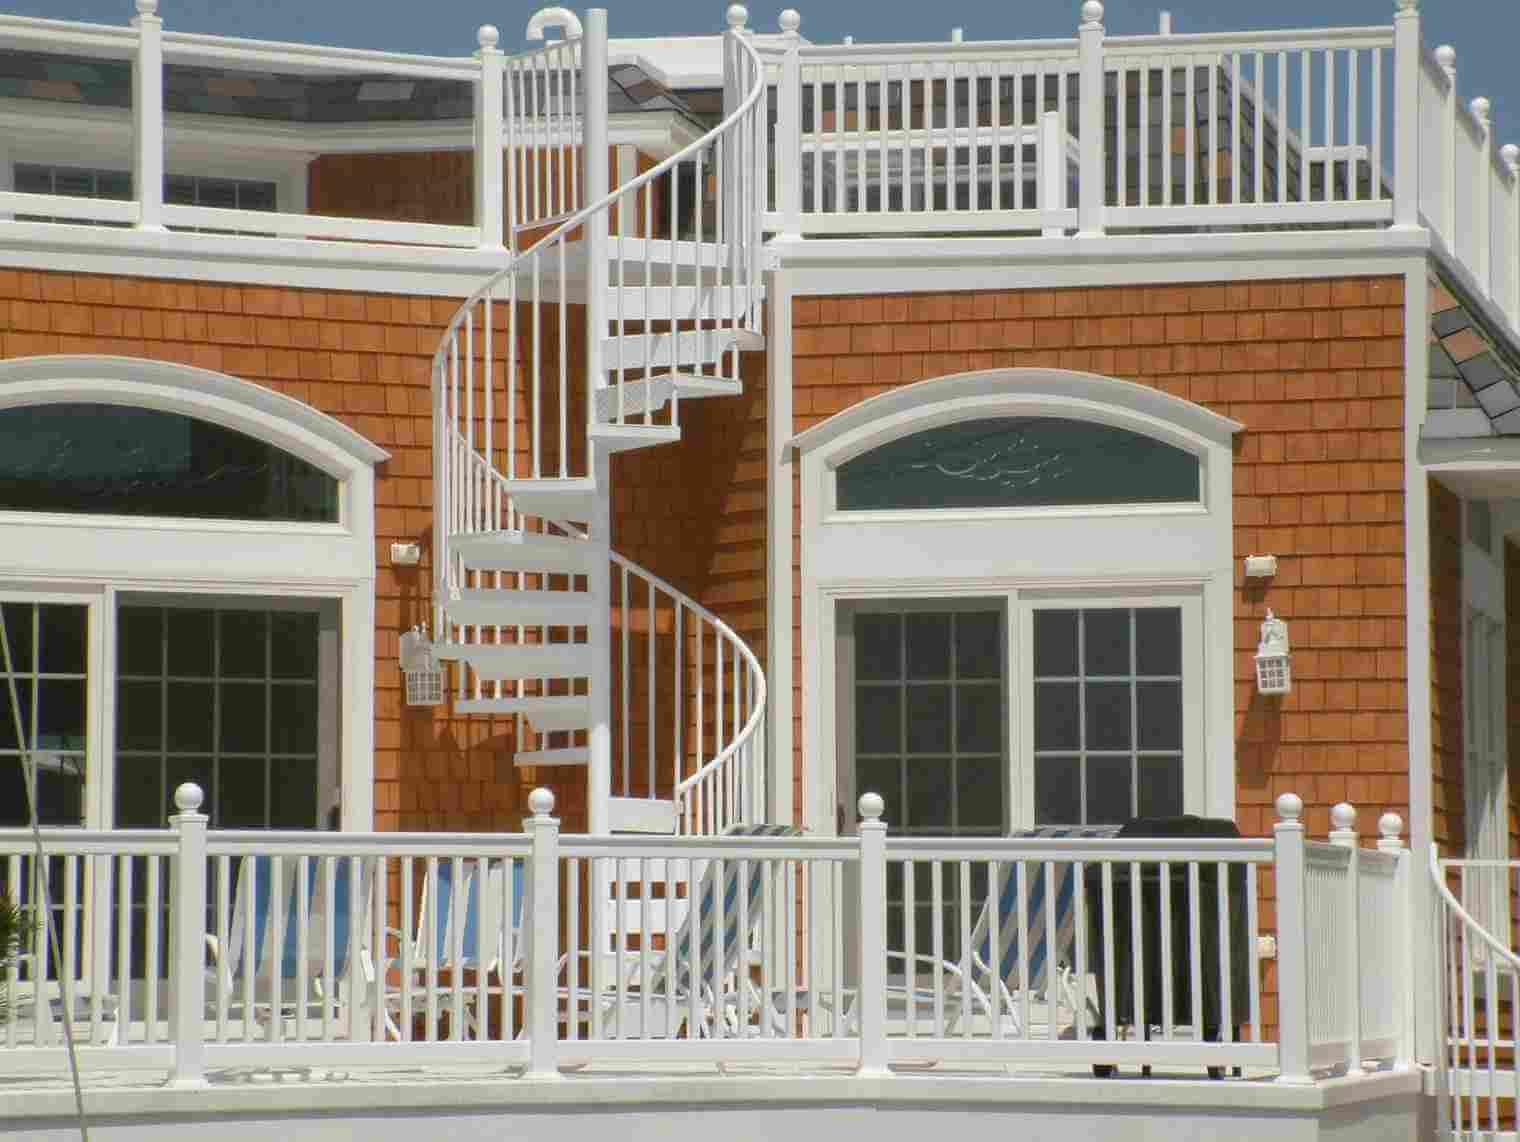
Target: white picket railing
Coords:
[[1478, 996], [544, 951]]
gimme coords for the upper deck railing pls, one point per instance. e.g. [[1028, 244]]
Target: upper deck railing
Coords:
[[1340, 128]]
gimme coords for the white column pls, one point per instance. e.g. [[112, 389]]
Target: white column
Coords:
[[871, 1004], [1483, 192], [1343, 835], [1390, 825], [187, 976], [1052, 167], [1092, 186], [594, 185], [490, 197], [148, 116], [1446, 56], [1406, 115], [789, 129], [1292, 944], [1509, 154], [541, 931]]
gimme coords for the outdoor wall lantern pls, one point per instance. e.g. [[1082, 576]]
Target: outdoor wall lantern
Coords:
[[1273, 674], [424, 677]]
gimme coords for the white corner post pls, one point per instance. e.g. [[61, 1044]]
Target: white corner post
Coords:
[[595, 160], [789, 127], [187, 977], [871, 1003], [1292, 944], [1052, 165], [490, 194], [148, 116], [1509, 154], [1092, 184], [542, 934], [1446, 57], [1483, 192], [1390, 826], [1343, 835], [1406, 115]]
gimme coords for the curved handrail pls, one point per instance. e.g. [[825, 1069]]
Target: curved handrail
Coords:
[[1465, 916], [751, 728], [604, 203]]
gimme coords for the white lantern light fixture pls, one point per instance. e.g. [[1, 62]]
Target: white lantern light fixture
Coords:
[[424, 677], [1273, 673]]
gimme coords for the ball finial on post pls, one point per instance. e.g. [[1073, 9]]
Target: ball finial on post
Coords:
[[1480, 107], [1092, 12], [147, 7], [1406, 5], [1390, 827], [789, 21], [487, 36], [738, 16], [541, 802], [1343, 817], [1446, 56], [1510, 153], [189, 797], [871, 806], [1290, 807]]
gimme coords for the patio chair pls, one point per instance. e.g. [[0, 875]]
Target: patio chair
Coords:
[[450, 920], [253, 904], [687, 976]]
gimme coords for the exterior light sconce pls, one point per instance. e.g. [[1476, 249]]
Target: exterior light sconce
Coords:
[[1273, 673], [424, 677]]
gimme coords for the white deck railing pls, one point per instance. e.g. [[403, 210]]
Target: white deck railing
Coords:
[[183, 949]]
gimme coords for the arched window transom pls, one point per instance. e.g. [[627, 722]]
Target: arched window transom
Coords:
[[1018, 461]]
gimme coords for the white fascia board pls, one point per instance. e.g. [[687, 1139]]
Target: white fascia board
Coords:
[[1475, 467], [295, 262], [105, 133]]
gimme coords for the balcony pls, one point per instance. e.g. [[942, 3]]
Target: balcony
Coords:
[[213, 958]]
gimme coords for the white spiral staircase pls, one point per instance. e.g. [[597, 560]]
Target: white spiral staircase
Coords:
[[613, 309]]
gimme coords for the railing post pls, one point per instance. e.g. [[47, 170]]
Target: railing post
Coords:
[[1446, 56], [1052, 166], [542, 933], [1510, 155], [1343, 835], [148, 116], [1292, 943], [1390, 826], [1406, 115], [187, 968], [594, 188], [871, 1003], [789, 128], [490, 196], [1483, 189], [1092, 185]]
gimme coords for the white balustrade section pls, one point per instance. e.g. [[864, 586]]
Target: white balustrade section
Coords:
[[1478, 995], [542, 951], [545, 123]]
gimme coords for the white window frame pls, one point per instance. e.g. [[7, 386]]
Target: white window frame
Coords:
[[59, 557], [1143, 552]]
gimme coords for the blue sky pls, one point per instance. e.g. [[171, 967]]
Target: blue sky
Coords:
[[1484, 32]]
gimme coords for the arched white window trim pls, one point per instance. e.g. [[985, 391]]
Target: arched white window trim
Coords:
[[93, 558], [1055, 552]]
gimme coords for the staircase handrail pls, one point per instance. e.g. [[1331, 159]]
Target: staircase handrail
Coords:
[[1465, 916], [604, 203], [756, 718]]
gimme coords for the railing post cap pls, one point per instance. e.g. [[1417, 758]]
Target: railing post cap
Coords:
[[738, 16], [189, 796], [1510, 153], [487, 36], [1446, 56], [871, 806], [1480, 107], [1390, 826], [541, 802], [1407, 5], [1290, 807], [1343, 817], [147, 7], [1092, 13], [789, 21]]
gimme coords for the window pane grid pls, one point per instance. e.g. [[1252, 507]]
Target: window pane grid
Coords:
[[1070, 764], [53, 713]]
